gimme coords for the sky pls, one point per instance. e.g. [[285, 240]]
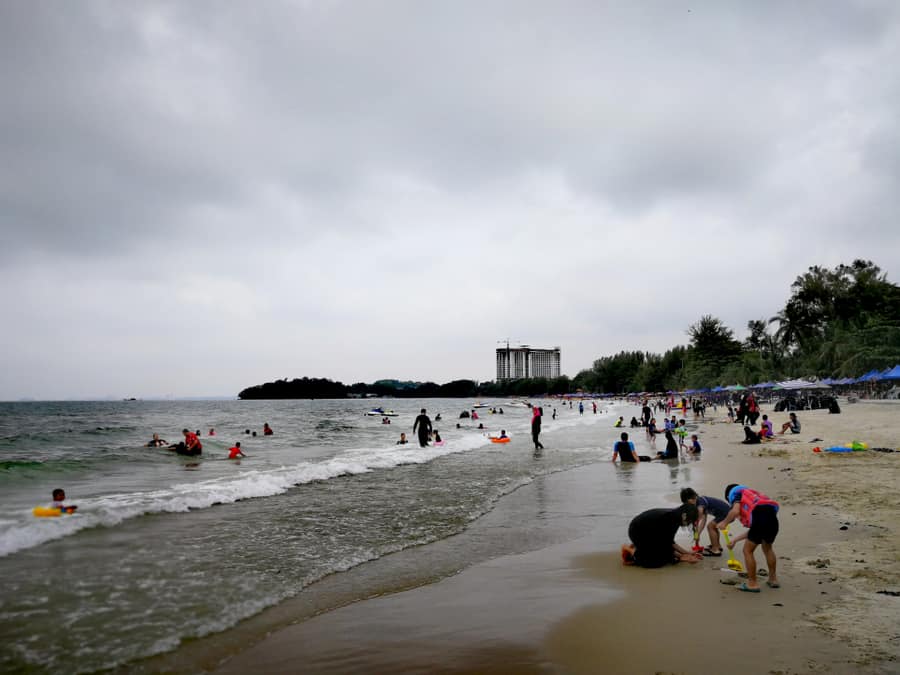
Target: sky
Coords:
[[196, 197]]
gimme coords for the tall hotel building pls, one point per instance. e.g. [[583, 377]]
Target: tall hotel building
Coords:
[[523, 361]]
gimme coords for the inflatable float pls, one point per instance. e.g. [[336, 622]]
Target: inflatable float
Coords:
[[494, 439], [855, 446], [51, 512]]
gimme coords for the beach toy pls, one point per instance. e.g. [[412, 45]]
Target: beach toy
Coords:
[[494, 439], [733, 563], [696, 548], [50, 512]]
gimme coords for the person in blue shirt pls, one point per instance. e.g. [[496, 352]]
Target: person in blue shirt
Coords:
[[706, 507]]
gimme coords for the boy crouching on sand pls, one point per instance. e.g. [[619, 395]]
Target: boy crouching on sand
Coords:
[[711, 512], [759, 513]]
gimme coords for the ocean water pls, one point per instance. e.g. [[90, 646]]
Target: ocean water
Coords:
[[164, 548]]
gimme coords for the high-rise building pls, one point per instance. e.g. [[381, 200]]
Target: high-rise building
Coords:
[[524, 361]]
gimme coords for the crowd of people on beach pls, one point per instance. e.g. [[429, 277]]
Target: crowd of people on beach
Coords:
[[652, 532]]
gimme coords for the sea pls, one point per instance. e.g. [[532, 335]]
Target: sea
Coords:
[[165, 549]]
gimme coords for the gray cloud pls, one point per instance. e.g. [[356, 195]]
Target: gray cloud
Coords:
[[363, 190]]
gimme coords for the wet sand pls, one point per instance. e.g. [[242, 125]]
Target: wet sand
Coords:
[[573, 608]]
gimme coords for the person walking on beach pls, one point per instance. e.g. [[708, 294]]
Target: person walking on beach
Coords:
[[423, 424], [537, 414], [759, 513]]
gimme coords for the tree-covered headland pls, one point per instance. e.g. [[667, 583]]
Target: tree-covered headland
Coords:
[[836, 323]]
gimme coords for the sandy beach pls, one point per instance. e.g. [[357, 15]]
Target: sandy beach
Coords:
[[573, 608]]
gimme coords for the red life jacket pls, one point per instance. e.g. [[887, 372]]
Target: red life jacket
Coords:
[[750, 499]]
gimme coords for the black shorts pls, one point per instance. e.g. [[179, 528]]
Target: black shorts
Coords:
[[763, 524]]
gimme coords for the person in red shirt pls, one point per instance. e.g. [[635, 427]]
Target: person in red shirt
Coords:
[[191, 445], [267, 430], [235, 452]]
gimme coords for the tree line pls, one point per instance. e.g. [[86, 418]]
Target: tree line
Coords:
[[837, 322]]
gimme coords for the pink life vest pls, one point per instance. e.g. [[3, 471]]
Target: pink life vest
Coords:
[[750, 499]]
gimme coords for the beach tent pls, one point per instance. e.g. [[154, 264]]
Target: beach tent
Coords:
[[719, 388], [802, 384], [892, 374], [871, 376]]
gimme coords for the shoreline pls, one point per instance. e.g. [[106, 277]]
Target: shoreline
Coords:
[[572, 608]]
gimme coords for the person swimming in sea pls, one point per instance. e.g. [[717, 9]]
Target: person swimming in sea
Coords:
[[59, 498], [156, 442]]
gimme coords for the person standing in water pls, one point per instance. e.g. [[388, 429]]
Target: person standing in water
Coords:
[[537, 414], [423, 425]]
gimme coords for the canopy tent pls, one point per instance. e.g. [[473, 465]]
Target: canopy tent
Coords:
[[803, 384], [871, 376], [892, 374]]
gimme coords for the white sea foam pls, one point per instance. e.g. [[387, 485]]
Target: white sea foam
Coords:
[[108, 510], [26, 531]]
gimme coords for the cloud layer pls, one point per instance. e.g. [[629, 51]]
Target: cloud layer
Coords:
[[197, 197]]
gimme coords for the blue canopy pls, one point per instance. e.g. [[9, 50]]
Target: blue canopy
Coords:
[[892, 374]]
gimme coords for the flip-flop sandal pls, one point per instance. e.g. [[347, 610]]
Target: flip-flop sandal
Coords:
[[746, 589], [773, 584], [709, 553]]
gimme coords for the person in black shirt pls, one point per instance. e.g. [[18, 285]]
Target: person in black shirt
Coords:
[[423, 424]]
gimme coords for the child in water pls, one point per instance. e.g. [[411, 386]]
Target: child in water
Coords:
[[437, 437], [59, 496]]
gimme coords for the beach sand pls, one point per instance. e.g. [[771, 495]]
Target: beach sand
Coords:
[[573, 608]]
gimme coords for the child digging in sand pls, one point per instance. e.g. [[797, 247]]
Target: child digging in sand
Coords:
[[759, 513], [706, 507]]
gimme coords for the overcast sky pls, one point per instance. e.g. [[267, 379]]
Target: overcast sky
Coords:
[[196, 197]]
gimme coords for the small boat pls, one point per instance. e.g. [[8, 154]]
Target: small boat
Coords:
[[482, 405], [378, 412]]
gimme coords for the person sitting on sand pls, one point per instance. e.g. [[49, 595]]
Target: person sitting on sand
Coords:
[[634, 423], [750, 438], [766, 431], [156, 442], [671, 448], [759, 513], [695, 448], [621, 422], [402, 440], [236, 452], [625, 452], [793, 424], [707, 506], [652, 535]]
